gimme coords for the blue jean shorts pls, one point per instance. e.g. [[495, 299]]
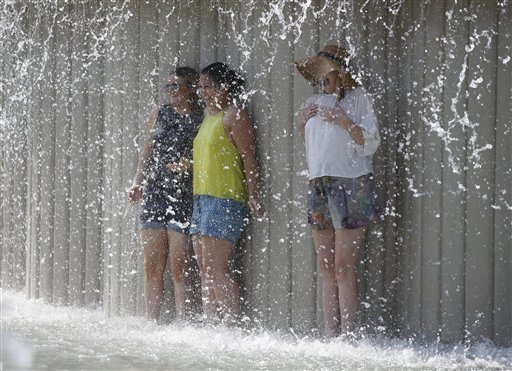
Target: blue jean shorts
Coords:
[[344, 203], [219, 217]]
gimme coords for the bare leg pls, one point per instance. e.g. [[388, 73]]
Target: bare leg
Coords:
[[207, 293], [324, 246], [180, 259], [216, 253], [155, 250], [348, 242]]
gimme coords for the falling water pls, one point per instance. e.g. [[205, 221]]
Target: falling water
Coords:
[[78, 79]]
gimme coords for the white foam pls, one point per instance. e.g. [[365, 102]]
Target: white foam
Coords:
[[65, 337]]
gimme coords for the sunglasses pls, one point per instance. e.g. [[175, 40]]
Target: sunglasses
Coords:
[[172, 87]]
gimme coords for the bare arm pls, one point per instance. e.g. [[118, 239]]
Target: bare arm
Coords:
[[135, 192], [242, 133]]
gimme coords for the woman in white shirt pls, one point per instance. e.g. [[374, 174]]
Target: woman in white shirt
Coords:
[[341, 133]]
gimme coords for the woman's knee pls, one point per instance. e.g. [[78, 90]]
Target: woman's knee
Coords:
[[325, 257], [325, 267], [179, 269], [345, 267], [154, 273], [154, 264], [219, 272]]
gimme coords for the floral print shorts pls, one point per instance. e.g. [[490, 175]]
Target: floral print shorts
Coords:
[[344, 203]]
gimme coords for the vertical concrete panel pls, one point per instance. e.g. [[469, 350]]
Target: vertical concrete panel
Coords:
[[3, 162], [8, 227], [4, 266], [127, 249], [95, 115], [33, 169], [480, 175], [63, 100], [332, 22], [112, 177], [16, 151], [10, 135], [157, 48], [258, 248], [208, 36], [373, 73], [168, 45], [33, 231], [416, 193], [502, 306], [168, 36], [390, 188], [45, 98], [189, 33], [280, 188], [453, 174], [411, 76], [229, 33], [78, 160], [402, 79], [430, 119]]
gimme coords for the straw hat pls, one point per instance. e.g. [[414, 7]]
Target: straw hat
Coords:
[[330, 58]]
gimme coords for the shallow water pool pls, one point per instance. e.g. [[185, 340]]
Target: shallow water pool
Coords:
[[43, 337]]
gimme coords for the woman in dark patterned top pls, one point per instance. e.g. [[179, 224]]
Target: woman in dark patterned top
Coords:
[[163, 181]]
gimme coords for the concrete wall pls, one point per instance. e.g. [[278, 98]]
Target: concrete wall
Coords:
[[78, 81]]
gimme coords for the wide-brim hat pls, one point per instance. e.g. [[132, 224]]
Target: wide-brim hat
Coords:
[[330, 58]]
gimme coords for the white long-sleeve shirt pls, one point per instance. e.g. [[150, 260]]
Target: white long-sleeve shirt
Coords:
[[330, 150]]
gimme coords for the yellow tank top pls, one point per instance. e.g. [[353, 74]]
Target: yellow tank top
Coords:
[[218, 166]]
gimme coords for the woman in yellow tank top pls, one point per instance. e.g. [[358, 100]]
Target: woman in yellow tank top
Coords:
[[225, 187]]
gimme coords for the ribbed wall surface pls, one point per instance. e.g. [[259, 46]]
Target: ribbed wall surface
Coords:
[[78, 81]]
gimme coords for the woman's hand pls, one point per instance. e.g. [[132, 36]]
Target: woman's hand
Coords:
[[335, 115], [182, 166], [134, 193], [256, 206], [308, 112]]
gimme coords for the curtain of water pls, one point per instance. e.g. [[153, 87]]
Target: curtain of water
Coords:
[[79, 78]]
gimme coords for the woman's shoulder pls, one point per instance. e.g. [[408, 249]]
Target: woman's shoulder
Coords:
[[235, 113], [358, 91], [359, 95]]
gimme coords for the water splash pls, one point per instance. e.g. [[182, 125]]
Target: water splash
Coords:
[[73, 337]]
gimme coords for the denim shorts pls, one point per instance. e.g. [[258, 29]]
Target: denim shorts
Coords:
[[347, 203], [219, 217]]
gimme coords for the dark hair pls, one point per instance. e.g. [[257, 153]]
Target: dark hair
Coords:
[[189, 74], [191, 78], [221, 74]]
